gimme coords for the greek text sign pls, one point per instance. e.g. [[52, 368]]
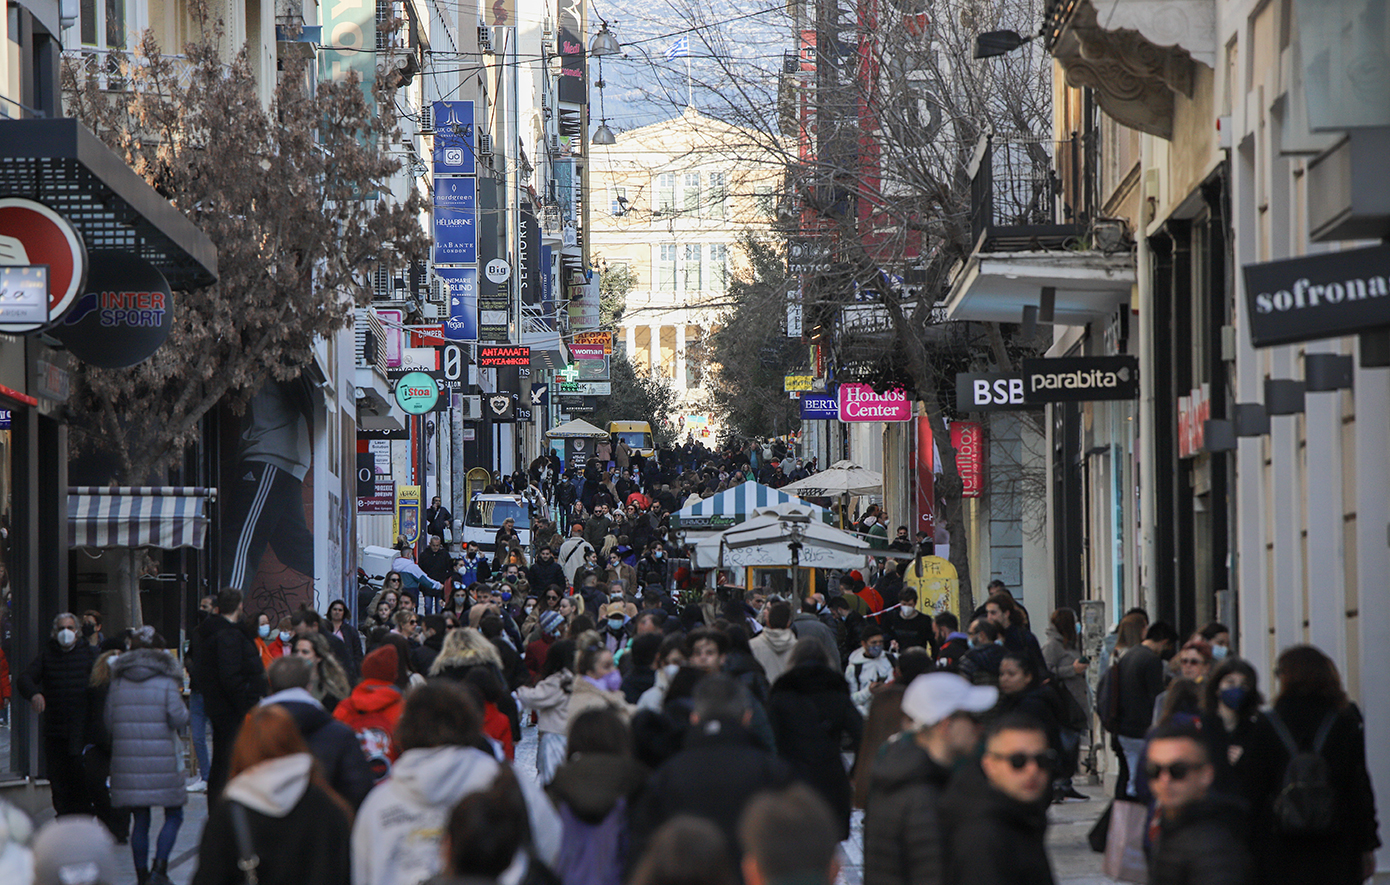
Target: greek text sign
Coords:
[[1318, 296], [859, 402]]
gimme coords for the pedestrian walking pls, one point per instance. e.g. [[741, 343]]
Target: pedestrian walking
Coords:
[[870, 666], [1140, 675], [55, 685], [233, 680], [333, 743], [789, 836], [687, 850], [374, 708], [144, 715], [1062, 655], [485, 832]]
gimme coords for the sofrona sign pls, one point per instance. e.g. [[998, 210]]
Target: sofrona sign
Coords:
[[1318, 296]]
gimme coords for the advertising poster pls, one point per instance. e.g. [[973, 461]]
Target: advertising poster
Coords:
[[407, 515]]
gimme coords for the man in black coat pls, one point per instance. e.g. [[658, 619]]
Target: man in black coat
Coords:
[[55, 685], [545, 571], [998, 809], [1198, 842], [721, 767], [232, 678], [435, 560], [333, 743], [437, 518], [1141, 680]]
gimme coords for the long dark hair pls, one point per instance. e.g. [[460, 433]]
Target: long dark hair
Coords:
[[1064, 622], [560, 656], [1211, 686], [1305, 672]]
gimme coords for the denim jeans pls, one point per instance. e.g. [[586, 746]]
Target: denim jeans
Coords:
[[198, 725], [1133, 749], [140, 835]]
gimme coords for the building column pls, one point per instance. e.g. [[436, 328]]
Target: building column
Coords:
[[680, 357], [631, 335], [654, 348]]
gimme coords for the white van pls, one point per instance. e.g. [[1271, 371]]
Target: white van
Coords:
[[486, 513]]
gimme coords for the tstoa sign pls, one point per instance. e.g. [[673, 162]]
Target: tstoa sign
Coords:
[[859, 402], [32, 234]]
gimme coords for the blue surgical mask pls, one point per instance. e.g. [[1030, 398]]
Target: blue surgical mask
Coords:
[[1233, 697], [873, 652], [285, 634], [1219, 651], [506, 596], [615, 623], [264, 630]]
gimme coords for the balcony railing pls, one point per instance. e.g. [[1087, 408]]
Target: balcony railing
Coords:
[[1017, 198], [111, 67]]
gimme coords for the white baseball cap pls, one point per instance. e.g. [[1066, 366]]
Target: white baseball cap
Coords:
[[934, 696]]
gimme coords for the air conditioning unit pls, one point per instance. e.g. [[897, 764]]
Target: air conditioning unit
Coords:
[[485, 38], [484, 146], [427, 119], [555, 143], [381, 282], [436, 294]]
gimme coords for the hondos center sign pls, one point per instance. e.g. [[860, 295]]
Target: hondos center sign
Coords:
[[859, 402]]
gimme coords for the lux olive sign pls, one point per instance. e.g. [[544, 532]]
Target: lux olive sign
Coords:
[[417, 392]]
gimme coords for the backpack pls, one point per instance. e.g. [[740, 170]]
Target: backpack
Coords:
[[1108, 699], [1306, 804]]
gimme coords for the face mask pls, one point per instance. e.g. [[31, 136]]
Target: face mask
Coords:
[[460, 600], [506, 597], [264, 630], [88, 629], [511, 579], [1233, 697], [530, 608], [1078, 628], [285, 635], [615, 623], [872, 652], [67, 636], [658, 554], [1219, 651], [612, 682], [671, 670]]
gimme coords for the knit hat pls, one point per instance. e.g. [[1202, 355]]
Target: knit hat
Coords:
[[74, 850], [550, 622], [382, 664]]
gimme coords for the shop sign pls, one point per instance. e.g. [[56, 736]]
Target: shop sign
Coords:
[[586, 388], [501, 408], [578, 404], [925, 486], [380, 450], [402, 434], [382, 499], [967, 438], [6, 419], [990, 392], [455, 220], [600, 337], [33, 234], [797, 382], [124, 315], [586, 351], [453, 138], [461, 289], [1318, 296], [573, 86], [808, 256], [820, 407], [23, 298], [859, 402], [1194, 410], [497, 357], [417, 392], [494, 313], [1080, 379], [540, 395]]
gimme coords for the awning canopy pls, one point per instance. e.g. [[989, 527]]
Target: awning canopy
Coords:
[[167, 517], [996, 286], [731, 507]]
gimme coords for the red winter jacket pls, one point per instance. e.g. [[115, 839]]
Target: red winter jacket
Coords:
[[372, 710]]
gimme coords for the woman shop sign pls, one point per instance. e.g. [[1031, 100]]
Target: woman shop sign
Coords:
[[860, 402]]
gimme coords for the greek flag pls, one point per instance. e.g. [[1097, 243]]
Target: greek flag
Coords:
[[678, 49]]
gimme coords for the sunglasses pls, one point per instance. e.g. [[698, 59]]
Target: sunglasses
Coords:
[[1045, 760], [1177, 771], [1196, 662], [412, 621]]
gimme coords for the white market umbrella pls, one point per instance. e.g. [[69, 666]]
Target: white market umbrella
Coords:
[[578, 428], [840, 478], [765, 541]]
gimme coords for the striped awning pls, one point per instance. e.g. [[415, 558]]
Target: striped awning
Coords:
[[138, 516], [734, 506]]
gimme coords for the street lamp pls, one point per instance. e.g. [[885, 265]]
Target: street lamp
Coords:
[[992, 43], [603, 135], [604, 43]]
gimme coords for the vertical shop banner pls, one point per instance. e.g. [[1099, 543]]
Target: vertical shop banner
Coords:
[[547, 280], [351, 29], [926, 479], [494, 313], [573, 85], [454, 152], [968, 439], [462, 297], [455, 221], [528, 278], [407, 516]]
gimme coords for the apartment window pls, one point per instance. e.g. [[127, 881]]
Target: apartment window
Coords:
[[762, 199], [691, 194], [103, 23], [666, 268], [693, 278], [719, 266], [619, 203], [718, 193], [666, 192]]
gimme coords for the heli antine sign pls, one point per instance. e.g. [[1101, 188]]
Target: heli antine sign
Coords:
[[859, 402], [1080, 379]]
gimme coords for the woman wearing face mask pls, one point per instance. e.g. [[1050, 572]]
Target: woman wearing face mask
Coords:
[[672, 655], [329, 684], [1063, 657], [263, 639], [549, 698], [338, 626], [1218, 635], [1241, 742], [282, 641], [598, 684], [619, 570]]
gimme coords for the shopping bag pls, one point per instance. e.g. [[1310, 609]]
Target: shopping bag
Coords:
[[1124, 843]]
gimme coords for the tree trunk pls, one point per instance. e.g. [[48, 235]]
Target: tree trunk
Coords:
[[128, 585]]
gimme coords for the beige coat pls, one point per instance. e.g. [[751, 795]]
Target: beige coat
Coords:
[[588, 696]]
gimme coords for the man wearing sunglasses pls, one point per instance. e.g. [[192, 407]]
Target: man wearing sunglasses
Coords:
[[998, 810], [1197, 842]]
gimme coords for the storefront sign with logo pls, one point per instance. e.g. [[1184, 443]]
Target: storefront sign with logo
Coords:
[[33, 234], [453, 138], [382, 499], [417, 392], [573, 85], [820, 407], [586, 351], [586, 388], [1080, 379], [400, 435], [1194, 410], [349, 27], [797, 382], [461, 293], [124, 315], [455, 220], [1318, 296], [490, 357], [500, 408], [990, 392], [968, 439], [602, 337], [23, 297], [860, 402]]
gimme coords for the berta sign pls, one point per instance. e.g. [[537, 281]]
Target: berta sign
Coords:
[[859, 402]]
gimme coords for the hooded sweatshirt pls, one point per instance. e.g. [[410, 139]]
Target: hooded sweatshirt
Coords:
[[773, 648], [395, 839], [372, 711], [862, 672]]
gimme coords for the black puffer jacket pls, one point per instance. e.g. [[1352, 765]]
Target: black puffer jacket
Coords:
[[61, 676], [811, 714], [228, 668], [1201, 846], [903, 839], [335, 745], [994, 839]]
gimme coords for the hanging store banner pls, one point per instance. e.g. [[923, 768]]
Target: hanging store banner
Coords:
[[454, 153], [455, 221], [123, 317], [573, 83], [490, 357], [820, 406], [528, 278], [925, 485], [350, 26], [859, 402], [1080, 379], [461, 294], [990, 392], [586, 351], [967, 438], [33, 234], [500, 408], [1318, 296]]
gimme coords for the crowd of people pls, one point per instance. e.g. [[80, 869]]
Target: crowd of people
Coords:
[[683, 735]]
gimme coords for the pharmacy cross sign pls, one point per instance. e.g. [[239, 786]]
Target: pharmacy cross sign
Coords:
[[569, 373]]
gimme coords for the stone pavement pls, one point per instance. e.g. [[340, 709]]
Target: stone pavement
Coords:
[[1073, 862]]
